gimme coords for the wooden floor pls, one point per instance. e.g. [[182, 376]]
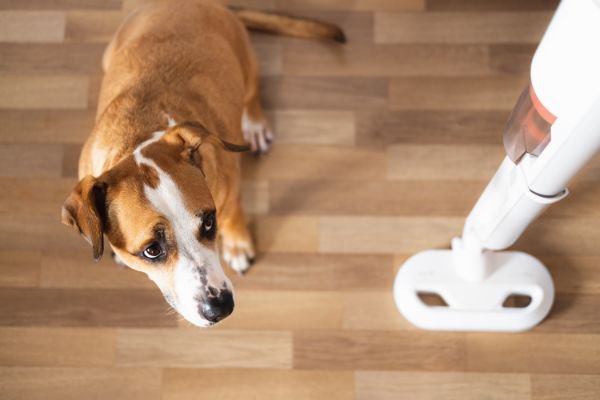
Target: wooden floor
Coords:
[[383, 146]]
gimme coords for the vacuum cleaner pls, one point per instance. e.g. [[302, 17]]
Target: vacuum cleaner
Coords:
[[553, 131]]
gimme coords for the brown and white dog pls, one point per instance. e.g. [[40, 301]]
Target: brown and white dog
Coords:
[[162, 165]]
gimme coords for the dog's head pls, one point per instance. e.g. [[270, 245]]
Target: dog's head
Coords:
[[157, 211]]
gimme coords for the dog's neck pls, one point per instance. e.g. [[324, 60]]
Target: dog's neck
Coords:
[[128, 121]]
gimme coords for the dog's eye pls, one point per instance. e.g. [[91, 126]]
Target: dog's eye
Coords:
[[153, 251], [209, 226]]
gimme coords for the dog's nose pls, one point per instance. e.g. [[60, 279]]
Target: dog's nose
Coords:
[[216, 308]]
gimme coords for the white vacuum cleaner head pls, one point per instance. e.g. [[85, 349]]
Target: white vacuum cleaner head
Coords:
[[473, 305]]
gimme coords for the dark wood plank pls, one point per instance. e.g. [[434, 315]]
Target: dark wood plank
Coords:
[[494, 5], [511, 58]]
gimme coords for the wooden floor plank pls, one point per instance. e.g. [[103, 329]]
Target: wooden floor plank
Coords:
[[318, 93], [573, 314], [375, 198], [20, 160], [69, 58], [496, 5], [84, 307], [386, 128], [78, 383], [388, 385], [364, 5], [326, 162], [78, 270], [32, 26], [382, 147], [289, 234], [45, 126], [573, 273], [555, 387], [59, 4], [19, 268], [319, 127], [195, 348], [460, 27], [309, 271], [43, 92], [232, 384], [378, 350], [285, 310], [533, 353], [446, 94], [311, 59], [511, 58], [386, 235], [56, 347], [444, 162], [44, 196], [92, 26]]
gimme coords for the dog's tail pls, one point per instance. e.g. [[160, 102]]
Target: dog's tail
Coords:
[[289, 26]]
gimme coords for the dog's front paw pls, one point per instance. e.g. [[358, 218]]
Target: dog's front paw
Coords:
[[238, 253], [257, 133]]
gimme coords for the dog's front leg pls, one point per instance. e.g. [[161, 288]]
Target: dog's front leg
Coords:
[[236, 240]]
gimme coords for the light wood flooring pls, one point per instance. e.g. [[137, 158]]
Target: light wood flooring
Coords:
[[383, 145]]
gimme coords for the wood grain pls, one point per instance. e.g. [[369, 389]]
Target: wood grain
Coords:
[[386, 128], [77, 383], [56, 347], [311, 59], [313, 127], [333, 162], [378, 350], [83, 307], [460, 27], [310, 271], [444, 94], [19, 268], [75, 58], [452, 163], [227, 384], [532, 352], [382, 147], [374, 198], [20, 160], [194, 348], [386, 234], [45, 126], [39, 92], [384, 385], [554, 387], [32, 26]]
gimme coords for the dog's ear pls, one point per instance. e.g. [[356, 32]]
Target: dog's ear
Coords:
[[85, 210], [193, 135]]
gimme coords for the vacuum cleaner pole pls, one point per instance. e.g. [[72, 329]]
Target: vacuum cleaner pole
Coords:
[[552, 133]]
